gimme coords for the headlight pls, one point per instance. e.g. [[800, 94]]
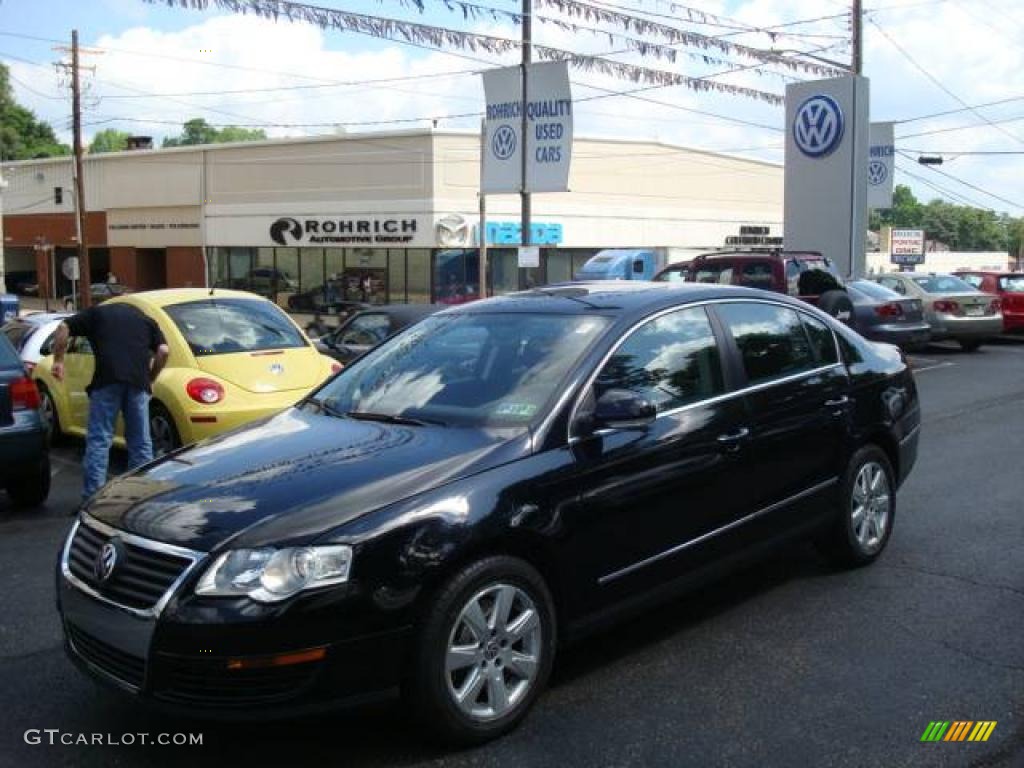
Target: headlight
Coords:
[[271, 575]]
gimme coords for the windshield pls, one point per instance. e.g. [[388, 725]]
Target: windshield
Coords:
[[943, 284], [1012, 283], [474, 369], [222, 326]]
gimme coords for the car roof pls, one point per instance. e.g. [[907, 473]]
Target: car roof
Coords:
[[761, 254], [167, 296], [41, 318], [617, 297]]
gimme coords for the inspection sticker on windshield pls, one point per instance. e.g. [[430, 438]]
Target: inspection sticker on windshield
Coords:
[[517, 410]]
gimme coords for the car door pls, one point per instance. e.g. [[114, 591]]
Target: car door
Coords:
[[79, 364], [650, 497], [796, 398]]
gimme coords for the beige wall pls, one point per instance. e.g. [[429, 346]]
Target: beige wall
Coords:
[[154, 227]]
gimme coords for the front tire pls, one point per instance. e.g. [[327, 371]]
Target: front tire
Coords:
[[32, 486], [485, 651], [162, 431], [866, 510]]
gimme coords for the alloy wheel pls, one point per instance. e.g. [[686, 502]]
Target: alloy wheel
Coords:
[[870, 506], [494, 651]]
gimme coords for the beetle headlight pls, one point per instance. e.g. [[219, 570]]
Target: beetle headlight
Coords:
[[270, 575]]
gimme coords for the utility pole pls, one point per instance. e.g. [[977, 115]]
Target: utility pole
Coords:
[[76, 118], [857, 37], [527, 50]]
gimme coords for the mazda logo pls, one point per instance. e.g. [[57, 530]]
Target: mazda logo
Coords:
[[818, 126], [877, 172], [283, 227], [106, 561], [503, 143], [452, 231]]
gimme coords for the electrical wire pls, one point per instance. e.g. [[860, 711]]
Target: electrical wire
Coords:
[[976, 188]]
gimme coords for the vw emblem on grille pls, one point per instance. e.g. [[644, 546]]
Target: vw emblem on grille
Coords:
[[503, 143], [277, 369], [106, 561], [877, 172], [818, 126]]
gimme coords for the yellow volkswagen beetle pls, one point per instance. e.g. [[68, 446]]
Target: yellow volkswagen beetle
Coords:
[[234, 357]]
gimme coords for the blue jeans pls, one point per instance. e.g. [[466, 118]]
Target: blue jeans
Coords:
[[104, 405]]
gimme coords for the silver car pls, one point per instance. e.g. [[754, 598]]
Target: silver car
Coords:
[[952, 307]]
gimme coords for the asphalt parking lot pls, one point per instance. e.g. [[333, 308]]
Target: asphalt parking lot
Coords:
[[788, 663]]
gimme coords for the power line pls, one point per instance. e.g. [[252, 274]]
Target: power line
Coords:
[[976, 188], [955, 196], [958, 111], [955, 128], [939, 83]]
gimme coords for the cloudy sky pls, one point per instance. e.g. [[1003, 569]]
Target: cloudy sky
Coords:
[[157, 66]]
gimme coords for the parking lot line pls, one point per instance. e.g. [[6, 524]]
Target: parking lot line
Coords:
[[944, 364]]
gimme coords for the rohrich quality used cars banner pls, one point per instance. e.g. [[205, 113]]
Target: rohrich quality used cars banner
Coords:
[[548, 140]]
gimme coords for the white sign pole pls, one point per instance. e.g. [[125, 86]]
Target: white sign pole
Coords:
[[881, 165], [825, 182]]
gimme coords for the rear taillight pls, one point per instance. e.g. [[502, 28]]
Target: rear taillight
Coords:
[[24, 394], [205, 391], [335, 367], [892, 309], [948, 307]]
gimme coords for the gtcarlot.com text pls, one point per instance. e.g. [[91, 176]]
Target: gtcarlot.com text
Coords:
[[55, 737]]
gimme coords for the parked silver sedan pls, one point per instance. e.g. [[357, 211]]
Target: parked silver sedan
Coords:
[[952, 307]]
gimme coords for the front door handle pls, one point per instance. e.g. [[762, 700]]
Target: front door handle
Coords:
[[839, 402], [733, 441]]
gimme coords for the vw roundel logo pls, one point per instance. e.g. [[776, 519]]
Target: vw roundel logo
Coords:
[[285, 226], [818, 126], [503, 143], [106, 561], [877, 173], [277, 369]]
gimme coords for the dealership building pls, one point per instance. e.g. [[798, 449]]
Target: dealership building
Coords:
[[389, 217]]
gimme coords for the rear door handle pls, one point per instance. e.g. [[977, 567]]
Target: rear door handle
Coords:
[[838, 402], [732, 441]]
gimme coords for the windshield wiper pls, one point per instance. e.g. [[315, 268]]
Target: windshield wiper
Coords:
[[330, 410], [390, 418]]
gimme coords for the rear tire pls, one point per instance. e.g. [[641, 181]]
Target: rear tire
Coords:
[[970, 345], [838, 305], [162, 431], [866, 510], [49, 414], [484, 652], [32, 486]]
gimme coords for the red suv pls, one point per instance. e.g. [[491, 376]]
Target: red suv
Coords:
[[807, 275], [1008, 286]]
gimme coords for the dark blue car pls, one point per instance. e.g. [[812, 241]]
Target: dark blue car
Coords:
[[24, 455]]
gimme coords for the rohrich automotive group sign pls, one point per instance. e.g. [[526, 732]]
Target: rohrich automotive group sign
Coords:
[[548, 141]]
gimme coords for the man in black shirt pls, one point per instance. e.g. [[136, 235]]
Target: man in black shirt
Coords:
[[130, 351]]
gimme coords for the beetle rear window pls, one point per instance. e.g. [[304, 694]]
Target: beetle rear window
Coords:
[[219, 326]]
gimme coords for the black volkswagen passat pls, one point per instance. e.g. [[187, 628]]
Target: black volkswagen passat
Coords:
[[447, 511]]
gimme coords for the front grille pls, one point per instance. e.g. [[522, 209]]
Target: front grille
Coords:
[[139, 580], [115, 662], [209, 682]]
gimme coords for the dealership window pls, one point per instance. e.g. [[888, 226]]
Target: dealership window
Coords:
[[334, 262], [396, 276], [311, 269], [504, 269], [456, 276], [418, 271], [558, 265], [365, 277]]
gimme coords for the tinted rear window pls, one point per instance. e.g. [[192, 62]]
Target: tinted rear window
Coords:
[[222, 326], [942, 284], [8, 356], [1012, 283], [771, 340], [874, 290]]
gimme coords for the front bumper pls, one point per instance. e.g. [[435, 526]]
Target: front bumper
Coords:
[[220, 658]]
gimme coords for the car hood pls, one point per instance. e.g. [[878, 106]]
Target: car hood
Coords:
[[293, 477]]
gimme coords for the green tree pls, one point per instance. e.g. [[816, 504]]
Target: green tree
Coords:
[[198, 131], [109, 140], [22, 135]]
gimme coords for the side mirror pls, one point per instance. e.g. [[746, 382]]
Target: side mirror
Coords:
[[622, 409]]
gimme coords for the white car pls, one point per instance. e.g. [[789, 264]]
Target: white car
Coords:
[[32, 335]]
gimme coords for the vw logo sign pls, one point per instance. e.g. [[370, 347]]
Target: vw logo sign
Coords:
[[503, 143], [877, 172], [277, 369], [818, 126], [105, 561]]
